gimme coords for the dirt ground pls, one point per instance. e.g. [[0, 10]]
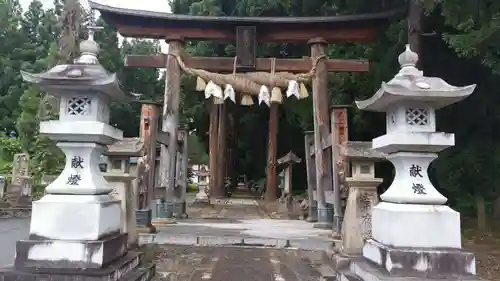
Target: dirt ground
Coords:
[[487, 249]]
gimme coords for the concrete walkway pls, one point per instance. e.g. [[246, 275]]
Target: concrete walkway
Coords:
[[11, 230]]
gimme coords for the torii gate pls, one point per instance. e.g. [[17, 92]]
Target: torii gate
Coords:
[[246, 32]]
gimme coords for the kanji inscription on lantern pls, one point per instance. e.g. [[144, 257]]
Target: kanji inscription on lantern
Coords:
[[415, 171], [77, 162], [419, 188], [74, 179]]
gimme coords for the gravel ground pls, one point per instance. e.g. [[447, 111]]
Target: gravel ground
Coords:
[[188, 263]]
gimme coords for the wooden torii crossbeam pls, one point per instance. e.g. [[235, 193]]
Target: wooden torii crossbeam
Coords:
[[215, 64], [246, 32]]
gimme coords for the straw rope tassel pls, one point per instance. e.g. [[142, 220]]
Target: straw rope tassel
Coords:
[[200, 84], [246, 100], [303, 91]]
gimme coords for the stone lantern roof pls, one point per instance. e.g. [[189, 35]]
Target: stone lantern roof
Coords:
[[85, 74], [126, 147], [361, 150], [289, 158], [410, 85]]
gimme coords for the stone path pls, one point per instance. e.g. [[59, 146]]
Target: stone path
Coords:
[[11, 230], [246, 211], [187, 263], [252, 232]]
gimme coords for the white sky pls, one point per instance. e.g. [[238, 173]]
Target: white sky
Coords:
[[152, 5]]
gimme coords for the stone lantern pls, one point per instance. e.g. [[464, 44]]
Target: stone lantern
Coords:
[[75, 230], [413, 233]]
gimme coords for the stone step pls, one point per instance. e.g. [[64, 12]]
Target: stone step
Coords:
[[140, 274], [233, 241], [345, 275]]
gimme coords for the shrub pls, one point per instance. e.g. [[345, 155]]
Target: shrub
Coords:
[[192, 188]]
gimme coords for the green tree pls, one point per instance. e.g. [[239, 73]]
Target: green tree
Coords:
[[11, 55]]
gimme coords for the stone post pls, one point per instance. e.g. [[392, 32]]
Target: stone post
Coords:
[[311, 178]]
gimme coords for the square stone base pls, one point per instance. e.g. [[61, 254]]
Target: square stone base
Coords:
[[75, 217], [143, 218], [124, 269], [420, 262], [179, 210], [365, 270], [70, 254], [411, 225]]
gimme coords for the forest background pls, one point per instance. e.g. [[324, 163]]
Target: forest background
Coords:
[[459, 43]]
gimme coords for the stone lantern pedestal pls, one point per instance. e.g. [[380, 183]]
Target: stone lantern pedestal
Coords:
[[413, 234], [75, 231]]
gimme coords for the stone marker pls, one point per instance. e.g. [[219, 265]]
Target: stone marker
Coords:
[[413, 233], [75, 231], [2, 186], [20, 168]]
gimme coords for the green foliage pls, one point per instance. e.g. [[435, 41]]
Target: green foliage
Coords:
[[192, 188], [27, 123], [197, 152], [38, 39], [8, 147]]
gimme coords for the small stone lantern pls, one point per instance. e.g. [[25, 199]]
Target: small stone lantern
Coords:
[[119, 154], [75, 230], [412, 230], [362, 195]]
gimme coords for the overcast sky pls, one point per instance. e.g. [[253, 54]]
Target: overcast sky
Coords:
[[153, 5]]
